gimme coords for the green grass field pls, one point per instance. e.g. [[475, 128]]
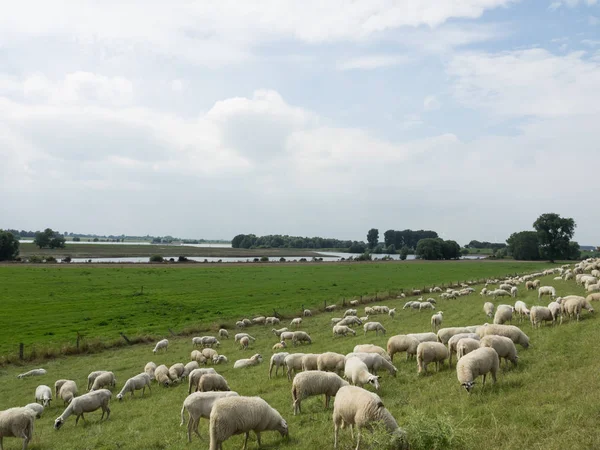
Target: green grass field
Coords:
[[45, 307], [550, 401]]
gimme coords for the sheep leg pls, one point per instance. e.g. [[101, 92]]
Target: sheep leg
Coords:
[[246, 440], [358, 438], [258, 437], [189, 429], [484, 375]]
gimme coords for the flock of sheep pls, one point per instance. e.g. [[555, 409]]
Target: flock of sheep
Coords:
[[478, 349]]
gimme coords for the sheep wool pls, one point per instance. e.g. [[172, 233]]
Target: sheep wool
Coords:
[[509, 331], [428, 352], [307, 384], [479, 362], [89, 402], [135, 383], [504, 346], [402, 343], [17, 422], [198, 405]]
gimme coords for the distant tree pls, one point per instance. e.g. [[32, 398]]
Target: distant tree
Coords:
[[76, 239], [524, 245], [429, 248], [391, 249], [49, 238], [450, 250], [554, 234], [154, 241], [357, 247], [389, 238], [465, 251], [574, 250], [9, 246], [404, 252], [373, 237]]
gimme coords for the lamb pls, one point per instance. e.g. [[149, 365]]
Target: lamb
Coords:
[[358, 374], [86, 403], [374, 326], [301, 336], [254, 360], [509, 331], [488, 309], [354, 302], [331, 362], [540, 314], [444, 334], [360, 409], [343, 330], [466, 346], [555, 310], [92, 377], [238, 336], [297, 321], [43, 395], [436, 320], [17, 422], [244, 343], [218, 359], [350, 312], [103, 380], [278, 332], [521, 309], [293, 362], [33, 373], [236, 415], [212, 382], [163, 344], [272, 321], [504, 346], [161, 374], [149, 368], [309, 361], [279, 345], [67, 390], [198, 405], [482, 361], [307, 384], [453, 342], [176, 372], [260, 320], [402, 343], [223, 333], [546, 290], [277, 361], [195, 376], [330, 308], [503, 314], [428, 352], [36, 408], [370, 348], [197, 356], [374, 362], [307, 313], [392, 312], [135, 383]]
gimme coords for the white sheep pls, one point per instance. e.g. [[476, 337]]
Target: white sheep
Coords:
[[307, 313], [212, 382], [370, 348], [482, 361], [504, 346], [444, 334], [197, 356], [149, 368], [254, 360], [272, 321], [343, 330], [301, 336], [209, 341], [136, 383], [374, 362], [297, 321], [89, 402], [354, 302], [278, 332], [402, 343], [260, 320], [488, 309], [161, 375], [425, 337], [369, 311], [360, 409], [163, 344], [293, 363], [43, 395], [555, 310], [392, 312], [573, 304], [33, 373], [17, 422], [428, 352], [453, 343], [192, 365], [210, 353], [465, 346], [436, 320], [540, 314], [37, 408], [330, 308], [218, 359], [176, 372], [244, 343], [103, 380], [350, 320], [307, 384], [331, 362], [238, 336], [426, 305], [358, 374], [237, 415], [223, 333], [514, 291], [286, 336], [277, 361], [521, 309], [593, 297], [374, 326], [509, 331], [240, 324], [309, 361], [67, 390], [279, 346], [194, 378], [92, 377], [350, 312], [198, 405], [546, 290], [498, 293], [247, 322]]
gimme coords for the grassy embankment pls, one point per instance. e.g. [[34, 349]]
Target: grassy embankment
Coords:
[[550, 401]]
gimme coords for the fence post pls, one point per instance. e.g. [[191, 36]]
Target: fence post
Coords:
[[78, 338], [21, 348], [126, 338], [172, 332]]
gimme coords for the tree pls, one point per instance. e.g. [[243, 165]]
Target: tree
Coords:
[[49, 238], [373, 237], [429, 248], [450, 250], [554, 234], [76, 239], [404, 252], [574, 250], [524, 245], [389, 238], [9, 246]]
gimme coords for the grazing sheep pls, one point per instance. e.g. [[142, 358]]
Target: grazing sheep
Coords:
[[555, 310], [488, 309], [444, 334], [402, 343], [261, 320], [354, 302], [521, 309], [106, 379], [237, 415], [540, 314], [466, 346], [135, 384], [307, 384], [254, 360], [453, 342], [529, 285], [161, 375], [209, 341], [67, 390], [210, 353], [195, 376], [343, 330], [425, 305], [498, 293], [350, 312], [36, 408], [212, 382], [247, 322], [416, 292], [297, 321], [279, 345], [192, 365], [370, 311], [240, 324], [425, 337], [331, 362], [593, 297], [505, 286], [350, 320], [149, 368], [409, 304], [546, 290], [573, 304], [482, 361], [335, 320], [286, 336], [301, 336], [370, 348], [509, 331], [238, 336], [196, 341], [330, 308], [92, 377], [223, 333], [17, 422], [360, 409], [307, 313], [536, 284], [293, 363], [358, 374], [503, 314], [504, 346], [272, 321], [374, 362], [428, 352], [436, 320], [89, 402], [278, 332], [374, 326], [43, 395], [309, 361], [514, 291], [277, 361], [197, 356], [33, 373], [176, 372], [163, 344], [392, 312], [244, 343], [218, 359], [198, 405]]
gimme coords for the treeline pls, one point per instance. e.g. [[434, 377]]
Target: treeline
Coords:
[[486, 244], [285, 241], [406, 238], [436, 248]]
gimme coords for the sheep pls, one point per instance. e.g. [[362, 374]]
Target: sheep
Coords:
[[416, 292], [444, 334], [196, 341], [354, 302], [335, 320], [103, 380], [43, 395], [86, 403], [163, 344], [247, 322], [307, 384], [350, 320], [92, 377], [17, 422], [360, 409], [546, 290], [272, 321], [194, 378], [426, 305], [210, 353], [540, 314], [350, 312], [278, 332], [488, 309], [409, 304], [529, 285], [573, 304], [436, 320], [198, 405], [33, 373], [240, 324], [358, 374], [521, 309], [536, 284], [192, 365], [593, 297], [374, 326], [297, 321], [254, 360], [293, 363], [374, 362], [286, 336], [197, 356], [176, 372], [307, 313], [503, 314], [509, 331], [555, 310], [279, 345], [67, 390], [301, 336], [402, 343], [514, 291], [504, 346], [330, 308], [466, 346], [343, 330], [309, 361], [277, 361], [424, 337], [36, 408], [223, 333], [498, 293], [505, 286], [209, 341], [331, 362], [218, 359], [135, 383], [370, 348], [212, 382], [244, 343], [236, 415], [261, 320], [482, 361], [428, 352], [369, 311], [453, 342], [392, 312], [238, 336], [150, 367], [161, 374]]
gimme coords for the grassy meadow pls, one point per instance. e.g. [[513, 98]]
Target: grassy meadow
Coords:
[[550, 401], [45, 306]]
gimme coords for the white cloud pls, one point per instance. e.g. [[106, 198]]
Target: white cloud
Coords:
[[590, 42], [177, 86], [431, 103], [371, 62], [555, 4]]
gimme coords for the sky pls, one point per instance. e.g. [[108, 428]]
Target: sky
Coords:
[[323, 118]]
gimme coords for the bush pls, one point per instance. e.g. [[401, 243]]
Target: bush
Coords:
[[282, 259], [156, 258], [404, 252], [366, 256], [182, 259], [264, 259], [66, 259], [35, 259], [50, 259]]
